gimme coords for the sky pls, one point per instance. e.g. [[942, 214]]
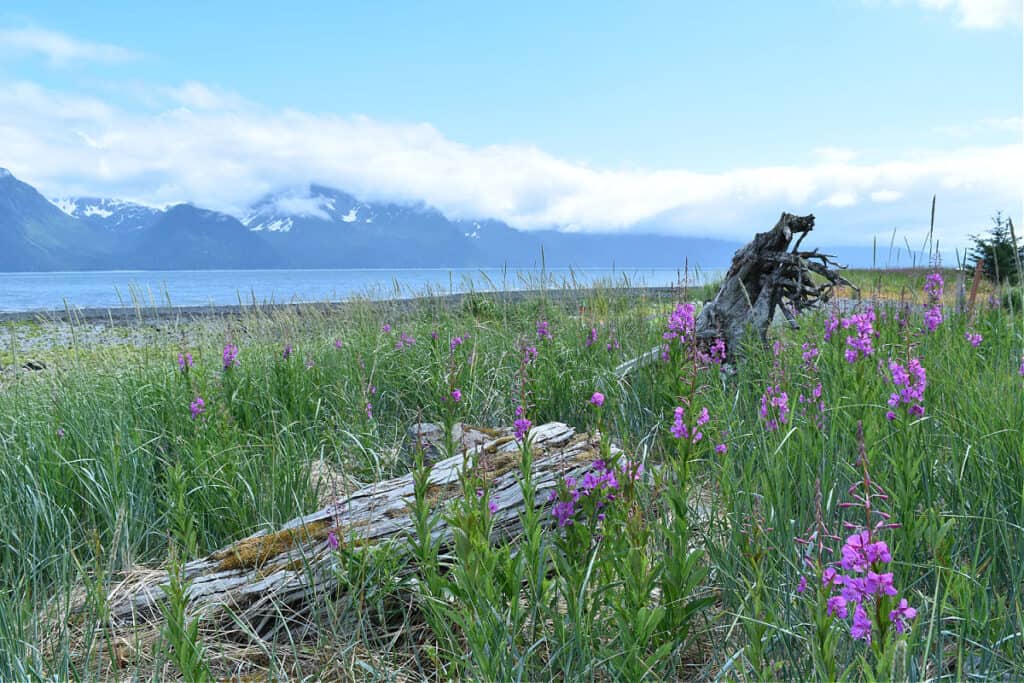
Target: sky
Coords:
[[676, 117]]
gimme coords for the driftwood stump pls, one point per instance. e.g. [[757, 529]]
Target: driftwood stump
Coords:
[[765, 276], [272, 579]]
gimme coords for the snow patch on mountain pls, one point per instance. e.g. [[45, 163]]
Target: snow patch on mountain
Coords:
[[68, 206], [276, 225], [96, 210]]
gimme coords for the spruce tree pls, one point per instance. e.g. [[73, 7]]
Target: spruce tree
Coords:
[[1000, 253]]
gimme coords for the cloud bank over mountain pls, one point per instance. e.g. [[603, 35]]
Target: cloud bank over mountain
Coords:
[[220, 151]]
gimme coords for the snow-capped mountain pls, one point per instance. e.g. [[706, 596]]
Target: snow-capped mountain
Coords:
[[112, 214], [311, 226]]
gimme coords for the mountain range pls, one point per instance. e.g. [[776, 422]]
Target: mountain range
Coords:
[[309, 227]]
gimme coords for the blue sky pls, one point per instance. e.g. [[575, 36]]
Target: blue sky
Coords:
[[679, 117]]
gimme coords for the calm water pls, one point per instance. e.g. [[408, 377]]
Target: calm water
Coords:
[[105, 289]]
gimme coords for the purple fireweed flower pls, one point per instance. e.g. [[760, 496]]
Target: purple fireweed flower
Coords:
[[385, 328], [521, 424], [679, 429], [287, 351], [529, 354], [184, 361], [680, 322], [597, 399], [933, 287], [910, 383], [542, 330], [703, 418], [456, 342], [456, 395], [837, 606], [60, 432], [1020, 371], [332, 540], [932, 318], [717, 351], [774, 408], [879, 584], [831, 577], [809, 354], [197, 407], [492, 507], [591, 338], [973, 338], [613, 345], [901, 615], [369, 411], [563, 512], [801, 585], [721, 448], [861, 629], [860, 345], [338, 343], [831, 325], [230, 356]]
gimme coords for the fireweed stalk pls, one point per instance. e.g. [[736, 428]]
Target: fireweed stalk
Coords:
[[856, 589], [933, 287]]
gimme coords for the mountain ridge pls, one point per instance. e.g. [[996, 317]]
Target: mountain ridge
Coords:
[[309, 226]]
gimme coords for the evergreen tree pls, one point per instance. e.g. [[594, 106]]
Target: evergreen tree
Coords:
[[997, 249]]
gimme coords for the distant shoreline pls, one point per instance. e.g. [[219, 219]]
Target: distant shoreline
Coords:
[[152, 314]]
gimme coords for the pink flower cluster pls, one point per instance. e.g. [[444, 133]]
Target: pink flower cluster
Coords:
[[404, 341], [910, 382], [974, 338], [599, 484], [864, 583], [197, 407], [680, 323], [521, 425], [774, 407], [933, 287], [681, 431], [715, 354], [230, 356], [543, 332], [860, 345]]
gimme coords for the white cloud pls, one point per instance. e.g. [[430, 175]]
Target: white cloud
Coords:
[[194, 95], [980, 14], [228, 153], [1013, 125], [885, 196], [839, 200], [60, 48]]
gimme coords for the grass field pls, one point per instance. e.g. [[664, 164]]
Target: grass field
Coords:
[[745, 553]]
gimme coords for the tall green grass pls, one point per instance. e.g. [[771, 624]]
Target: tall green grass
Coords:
[[693, 572]]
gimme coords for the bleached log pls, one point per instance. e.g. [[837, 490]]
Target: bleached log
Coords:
[[273, 575]]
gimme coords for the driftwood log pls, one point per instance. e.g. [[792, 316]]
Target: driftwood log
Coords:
[[271, 579], [765, 276]]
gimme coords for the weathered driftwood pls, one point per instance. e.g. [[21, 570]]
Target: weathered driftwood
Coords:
[[271, 577], [765, 276]]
